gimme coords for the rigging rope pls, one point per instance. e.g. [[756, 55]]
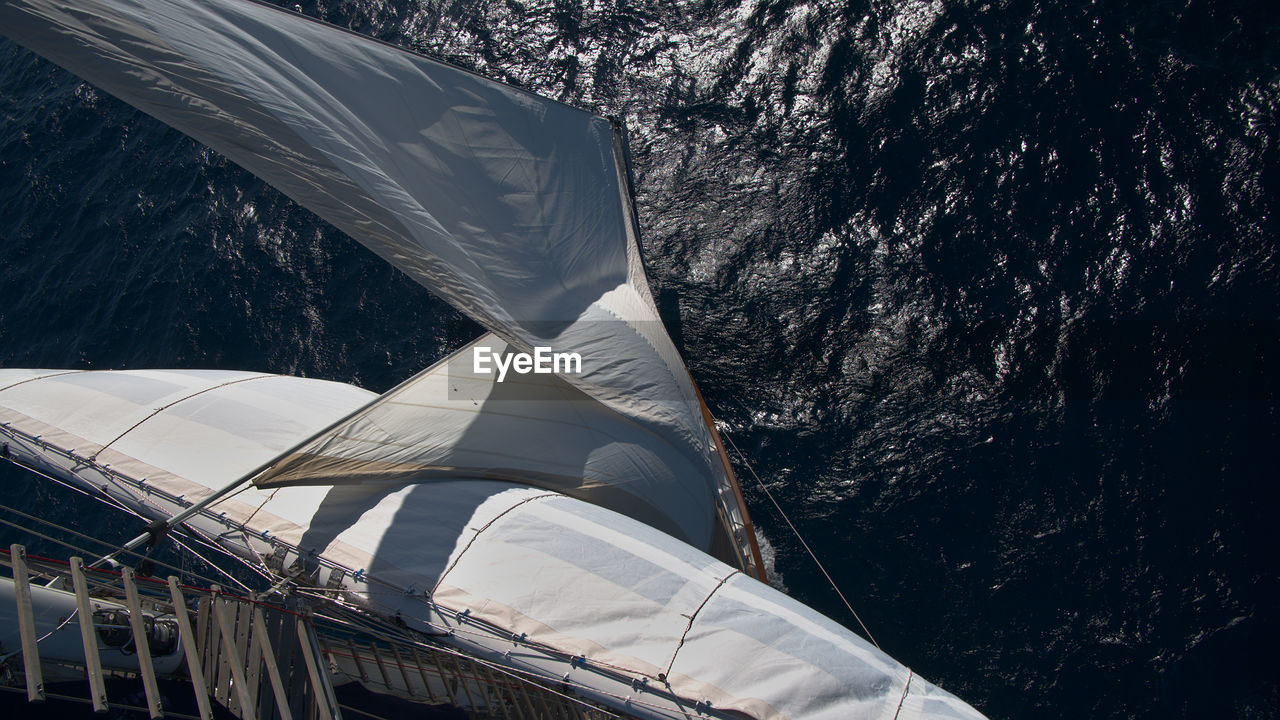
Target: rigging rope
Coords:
[[380, 631], [84, 550], [106, 499], [905, 689], [743, 459], [88, 551], [193, 534]]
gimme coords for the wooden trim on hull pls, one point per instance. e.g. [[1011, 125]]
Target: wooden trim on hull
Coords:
[[754, 565]]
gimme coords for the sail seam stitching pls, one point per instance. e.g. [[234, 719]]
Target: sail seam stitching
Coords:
[[162, 408], [484, 527], [694, 616], [40, 377]]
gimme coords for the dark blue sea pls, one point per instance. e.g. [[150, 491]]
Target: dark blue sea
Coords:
[[986, 292]]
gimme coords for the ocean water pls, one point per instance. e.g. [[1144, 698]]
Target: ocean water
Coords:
[[986, 292]]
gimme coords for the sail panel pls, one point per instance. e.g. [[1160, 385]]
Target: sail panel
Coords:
[[586, 582], [205, 427], [101, 408], [511, 206], [452, 422], [188, 433]]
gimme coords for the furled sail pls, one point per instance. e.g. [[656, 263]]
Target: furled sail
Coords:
[[536, 582], [512, 207]]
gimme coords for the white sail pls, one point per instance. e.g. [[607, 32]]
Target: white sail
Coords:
[[540, 582], [185, 432], [452, 422], [512, 207], [150, 436]]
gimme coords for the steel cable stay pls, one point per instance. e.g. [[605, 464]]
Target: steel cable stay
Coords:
[[214, 565], [743, 459], [192, 534], [87, 551], [106, 499]]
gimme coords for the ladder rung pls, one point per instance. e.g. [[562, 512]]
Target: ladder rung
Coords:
[[192, 652], [27, 624], [227, 652], [269, 659], [92, 662], [140, 645], [323, 693]]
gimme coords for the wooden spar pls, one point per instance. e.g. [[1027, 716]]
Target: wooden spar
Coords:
[[747, 528]]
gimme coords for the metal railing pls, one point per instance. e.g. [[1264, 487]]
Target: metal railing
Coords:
[[258, 660]]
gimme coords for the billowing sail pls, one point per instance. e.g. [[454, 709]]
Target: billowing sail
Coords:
[[512, 207], [453, 422]]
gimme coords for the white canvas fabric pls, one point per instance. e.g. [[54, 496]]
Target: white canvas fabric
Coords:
[[189, 433], [120, 411], [573, 577], [512, 207], [451, 422], [587, 582]]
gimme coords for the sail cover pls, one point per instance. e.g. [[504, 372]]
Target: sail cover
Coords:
[[516, 570], [512, 207]]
